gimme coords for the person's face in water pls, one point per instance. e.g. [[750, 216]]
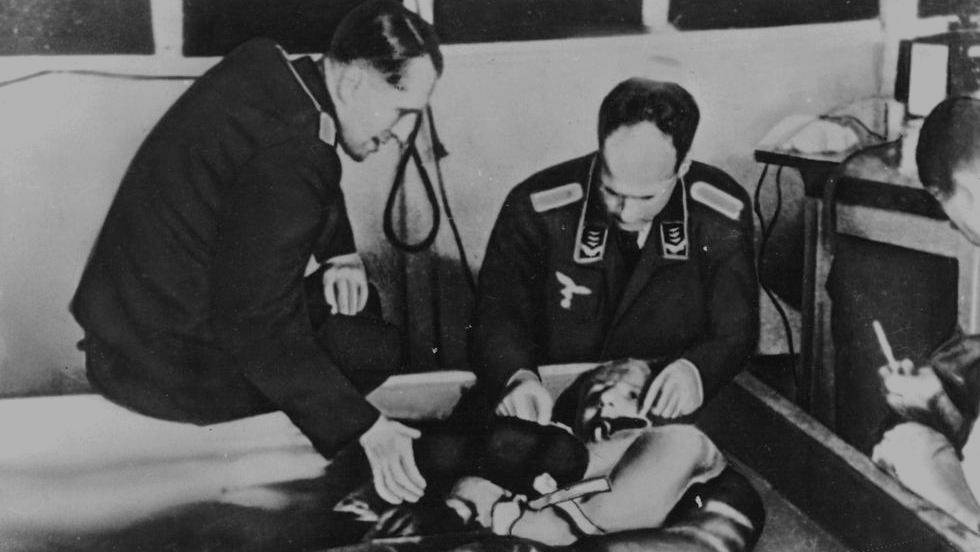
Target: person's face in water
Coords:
[[372, 111], [615, 390]]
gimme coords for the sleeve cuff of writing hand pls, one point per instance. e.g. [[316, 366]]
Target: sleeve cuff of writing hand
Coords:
[[302, 382]]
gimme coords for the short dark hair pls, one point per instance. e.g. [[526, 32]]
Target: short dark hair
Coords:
[[948, 140], [666, 104], [385, 34]]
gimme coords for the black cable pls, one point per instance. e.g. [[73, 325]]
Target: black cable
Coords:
[[388, 223], [855, 120], [90, 73], [766, 234], [440, 152]]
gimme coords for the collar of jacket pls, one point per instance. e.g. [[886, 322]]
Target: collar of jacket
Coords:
[[592, 235], [312, 79]]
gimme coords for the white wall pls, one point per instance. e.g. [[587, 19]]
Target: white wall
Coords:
[[503, 110]]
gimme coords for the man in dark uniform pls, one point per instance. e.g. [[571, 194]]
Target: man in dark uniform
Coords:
[[194, 302], [632, 251]]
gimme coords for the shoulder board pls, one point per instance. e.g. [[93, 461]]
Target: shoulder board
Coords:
[[556, 197], [724, 203]]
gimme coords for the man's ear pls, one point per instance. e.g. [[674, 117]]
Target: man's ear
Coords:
[[350, 81]]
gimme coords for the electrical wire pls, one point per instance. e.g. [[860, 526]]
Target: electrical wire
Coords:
[[388, 218], [440, 152], [388, 222], [857, 121], [767, 230]]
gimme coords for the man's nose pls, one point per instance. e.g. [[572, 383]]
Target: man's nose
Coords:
[[629, 210], [615, 205]]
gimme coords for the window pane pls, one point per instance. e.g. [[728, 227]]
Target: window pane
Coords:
[[498, 20], [31, 27], [215, 27], [929, 8], [722, 14]]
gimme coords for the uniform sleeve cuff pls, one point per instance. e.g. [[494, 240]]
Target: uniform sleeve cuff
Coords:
[[697, 377], [347, 258], [524, 374]]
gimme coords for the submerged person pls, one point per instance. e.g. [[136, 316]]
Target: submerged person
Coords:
[[605, 474], [194, 303], [649, 469], [935, 450]]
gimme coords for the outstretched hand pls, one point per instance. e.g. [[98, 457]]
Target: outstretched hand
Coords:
[[388, 445]]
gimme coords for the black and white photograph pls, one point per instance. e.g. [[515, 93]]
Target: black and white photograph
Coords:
[[489, 275]]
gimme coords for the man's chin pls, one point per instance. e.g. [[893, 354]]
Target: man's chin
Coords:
[[356, 154], [630, 226]]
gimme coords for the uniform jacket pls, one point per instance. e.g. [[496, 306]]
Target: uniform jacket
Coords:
[[196, 278], [553, 289]]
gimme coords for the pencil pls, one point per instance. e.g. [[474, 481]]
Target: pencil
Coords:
[[886, 348]]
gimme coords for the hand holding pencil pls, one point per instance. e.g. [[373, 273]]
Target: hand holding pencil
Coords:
[[905, 367], [916, 393]]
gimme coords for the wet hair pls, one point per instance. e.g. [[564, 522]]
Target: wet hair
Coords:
[[948, 140], [665, 104], [386, 35]]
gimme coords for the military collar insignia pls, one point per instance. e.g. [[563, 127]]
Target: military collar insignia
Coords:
[[593, 228], [326, 128], [674, 242], [569, 290]]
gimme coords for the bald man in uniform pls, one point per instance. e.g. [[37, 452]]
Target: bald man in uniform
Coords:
[[632, 251]]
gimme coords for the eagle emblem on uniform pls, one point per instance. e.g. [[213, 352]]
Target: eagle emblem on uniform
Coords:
[[569, 290]]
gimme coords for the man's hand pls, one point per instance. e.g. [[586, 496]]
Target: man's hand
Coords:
[[527, 399], [910, 391], [917, 394], [675, 392], [345, 285], [388, 445]]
